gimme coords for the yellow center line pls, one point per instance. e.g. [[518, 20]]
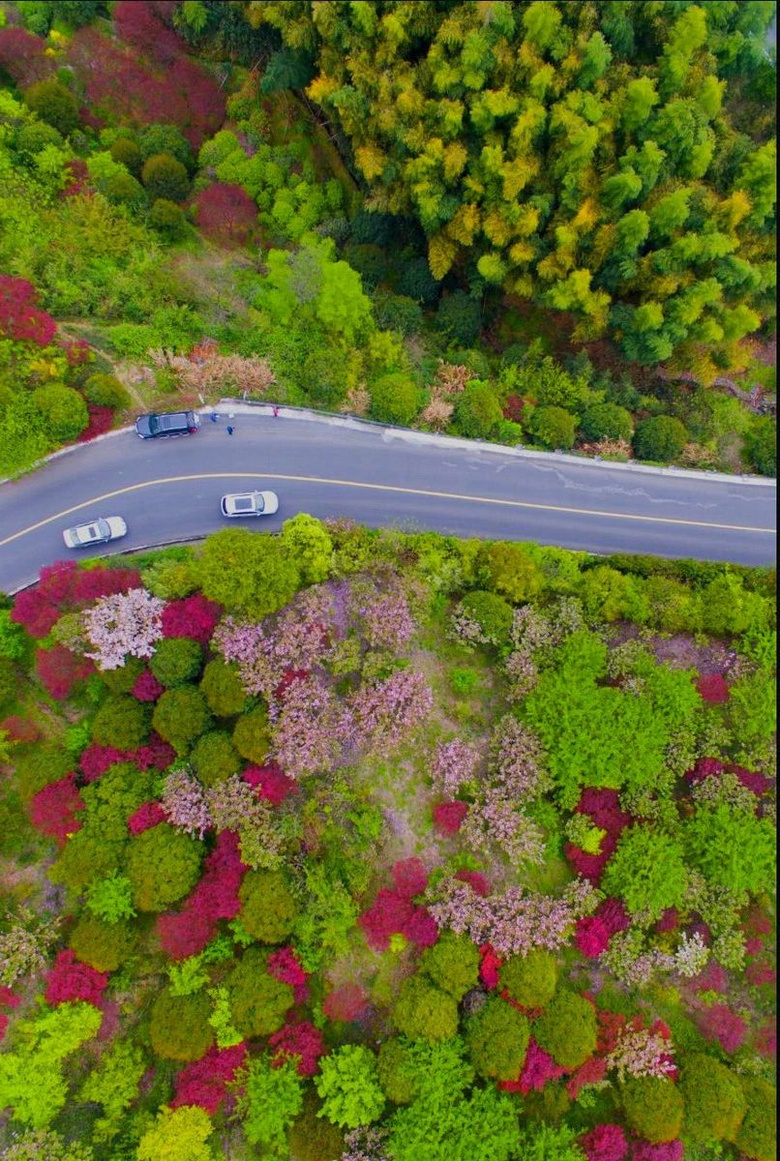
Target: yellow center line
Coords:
[[384, 488]]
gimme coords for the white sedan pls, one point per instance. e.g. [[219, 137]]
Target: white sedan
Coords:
[[250, 504], [98, 531]]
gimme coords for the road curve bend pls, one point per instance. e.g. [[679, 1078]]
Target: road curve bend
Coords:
[[169, 490]]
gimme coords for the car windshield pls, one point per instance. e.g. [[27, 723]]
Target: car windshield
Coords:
[[154, 424]]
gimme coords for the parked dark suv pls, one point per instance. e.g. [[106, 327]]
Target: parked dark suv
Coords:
[[167, 423]]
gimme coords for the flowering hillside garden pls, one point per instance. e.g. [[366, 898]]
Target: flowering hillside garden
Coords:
[[385, 846]]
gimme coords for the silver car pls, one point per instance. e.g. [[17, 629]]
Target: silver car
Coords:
[[98, 531], [250, 504]]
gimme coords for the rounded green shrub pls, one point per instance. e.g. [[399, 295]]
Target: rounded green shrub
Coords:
[[459, 317], [251, 735], [652, 1107], [103, 946], [168, 219], [491, 613], [180, 716], [452, 963], [567, 1030], [54, 104], [553, 427], [323, 378], [394, 1073], [222, 687], [268, 907], [105, 391], [477, 410], [32, 138], [761, 445], [163, 865], [165, 177], [757, 1135], [530, 979], [124, 190], [180, 1028], [166, 139], [258, 1002], [395, 398], [43, 764], [423, 1011], [497, 1037], [713, 1098], [397, 312], [62, 409], [506, 569], [176, 660], [122, 722], [123, 679], [214, 757], [126, 152], [606, 421], [660, 438]]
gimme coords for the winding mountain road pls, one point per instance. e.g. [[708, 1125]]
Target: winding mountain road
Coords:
[[169, 490]]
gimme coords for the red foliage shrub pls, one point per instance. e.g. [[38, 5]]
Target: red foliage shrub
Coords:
[[669, 921], [147, 816], [592, 936], [766, 1041], [591, 1072], [421, 928], [448, 816], [388, 914], [609, 1025], [757, 921], [513, 408], [589, 866], [203, 1082], [285, 966], [605, 1143], [62, 586], [713, 689], [35, 612], [3, 1025], [300, 1042], [22, 56], [603, 806], [138, 25], [101, 420], [8, 998], [185, 933], [490, 962], [704, 768], [147, 687], [69, 979], [719, 1024], [347, 1003], [668, 1151], [53, 810], [156, 752], [78, 183], [91, 584], [713, 978], [538, 1068], [613, 914], [58, 670], [95, 760], [271, 782], [758, 783], [215, 897], [19, 729], [20, 320], [226, 213], [410, 877], [760, 972], [478, 882], [193, 617], [288, 677], [76, 352]]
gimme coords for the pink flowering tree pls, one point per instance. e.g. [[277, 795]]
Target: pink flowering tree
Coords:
[[453, 764], [123, 623], [306, 732], [516, 761], [184, 803], [383, 715]]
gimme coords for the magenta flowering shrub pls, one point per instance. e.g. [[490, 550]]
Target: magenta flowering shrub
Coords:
[[604, 1143], [270, 782], [410, 877], [69, 979], [184, 803], [538, 1068], [147, 816], [592, 936], [513, 922], [453, 764], [602, 805], [646, 1151], [300, 1044], [204, 1082], [394, 914], [713, 689], [215, 897], [476, 880], [147, 687], [54, 810], [124, 623], [194, 617], [719, 1024], [448, 816], [284, 965]]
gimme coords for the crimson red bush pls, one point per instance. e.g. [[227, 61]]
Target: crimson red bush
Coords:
[[147, 687], [591, 1072], [215, 897], [271, 782], [605, 1143], [69, 979], [53, 810], [538, 1068], [592, 936], [194, 617], [392, 914], [147, 816], [410, 877], [62, 586], [478, 882], [490, 962], [95, 760], [101, 420], [78, 180], [138, 25], [204, 1081], [668, 1151], [185, 933], [301, 1044], [20, 320], [718, 1023], [226, 213], [23, 56], [8, 998], [448, 816], [602, 805], [58, 670], [156, 752], [20, 729], [713, 689], [284, 965]]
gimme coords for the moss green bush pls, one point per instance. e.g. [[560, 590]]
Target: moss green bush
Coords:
[[105, 391], [180, 1028], [180, 716], [104, 946], [258, 1001], [477, 410], [497, 1037], [652, 1107], [567, 1029], [165, 177], [660, 438], [121, 721], [222, 687], [757, 1135], [452, 963], [176, 660], [163, 865], [268, 907], [214, 757], [251, 736], [395, 398], [530, 979], [714, 1101], [54, 104], [423, 1011], [553, 427]]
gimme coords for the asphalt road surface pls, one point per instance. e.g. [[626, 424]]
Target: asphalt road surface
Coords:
[[169, 490]]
